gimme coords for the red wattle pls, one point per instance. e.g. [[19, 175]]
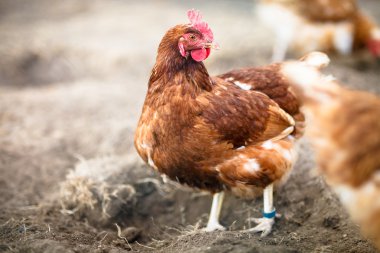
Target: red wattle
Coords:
[[208, 50], [374, 47], [200, 54]]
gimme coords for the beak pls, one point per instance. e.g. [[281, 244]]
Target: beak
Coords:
[[212, 45]]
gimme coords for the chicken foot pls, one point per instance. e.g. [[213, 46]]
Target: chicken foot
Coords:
[[265, 223]]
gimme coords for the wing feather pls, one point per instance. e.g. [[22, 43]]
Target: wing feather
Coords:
[[268, 80], [243, 117]]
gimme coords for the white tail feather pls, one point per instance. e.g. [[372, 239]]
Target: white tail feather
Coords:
[[316, 59]]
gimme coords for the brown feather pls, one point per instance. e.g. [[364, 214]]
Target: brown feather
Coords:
[[321, 10], [363, 26], [270, 81]]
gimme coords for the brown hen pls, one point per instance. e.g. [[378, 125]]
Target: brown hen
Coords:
[[234, 132]]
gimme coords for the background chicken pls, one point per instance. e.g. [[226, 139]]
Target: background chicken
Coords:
[[234, 132], [325, 25], [345, 131]]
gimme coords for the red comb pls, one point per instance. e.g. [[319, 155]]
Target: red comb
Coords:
[[195, 18]]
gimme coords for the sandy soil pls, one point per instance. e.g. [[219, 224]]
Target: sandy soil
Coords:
[[73, 77]]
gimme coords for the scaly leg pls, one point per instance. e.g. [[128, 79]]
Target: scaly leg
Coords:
[[282, 42], [213, 221], [265, 224]]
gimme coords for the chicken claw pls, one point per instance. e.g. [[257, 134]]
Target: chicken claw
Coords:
[[214, 226], [264, 225]]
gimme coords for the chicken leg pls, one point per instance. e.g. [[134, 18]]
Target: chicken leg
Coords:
[[281, 45], [265, 224], [216, 206]]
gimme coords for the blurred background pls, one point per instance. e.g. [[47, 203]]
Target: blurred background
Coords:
[[73, 77]]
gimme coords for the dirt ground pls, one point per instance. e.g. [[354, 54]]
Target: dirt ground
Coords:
[[73, 76]]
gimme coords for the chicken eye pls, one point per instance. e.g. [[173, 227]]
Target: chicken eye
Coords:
[[193, 37]]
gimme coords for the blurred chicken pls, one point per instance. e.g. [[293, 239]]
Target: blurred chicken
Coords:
[[234, 132], [344, 128], [325, 25]]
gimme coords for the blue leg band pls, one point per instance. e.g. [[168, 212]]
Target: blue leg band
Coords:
[[270, 215]]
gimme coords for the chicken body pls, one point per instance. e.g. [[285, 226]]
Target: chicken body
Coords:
[[344, 128], [234, 132], [203, 136], [324, 25]]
